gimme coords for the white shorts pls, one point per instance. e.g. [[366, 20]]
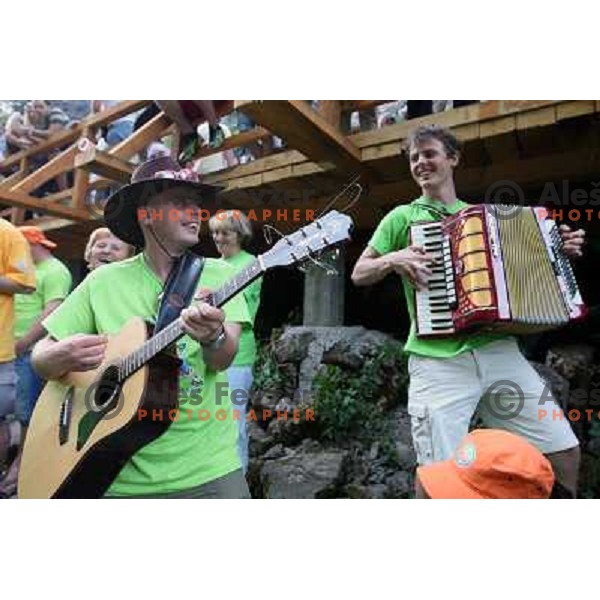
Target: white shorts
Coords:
[[496, 381]]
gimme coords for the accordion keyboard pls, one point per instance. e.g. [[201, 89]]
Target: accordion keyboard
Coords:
[[434, 304]]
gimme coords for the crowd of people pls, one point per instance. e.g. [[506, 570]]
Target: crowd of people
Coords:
[[37, 122], [48, 331]]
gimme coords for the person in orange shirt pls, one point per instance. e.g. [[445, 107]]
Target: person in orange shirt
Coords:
[[489, 463], [17, 276]]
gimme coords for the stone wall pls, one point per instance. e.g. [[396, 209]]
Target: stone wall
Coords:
[[327, 450]]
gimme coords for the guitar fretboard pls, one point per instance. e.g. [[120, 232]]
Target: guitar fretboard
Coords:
[[170, 334]]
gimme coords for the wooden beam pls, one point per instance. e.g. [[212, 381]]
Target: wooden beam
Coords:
[[59, 196], [11, 180], [241, 139], [18, 214], [473, 113], [285, 173], [81, 179], [575, 109], [95, 161], [59, 164], [307, 131], [331, 111], [63, 138], [80, 187], [21, 200], [255, 167], [150, 131]]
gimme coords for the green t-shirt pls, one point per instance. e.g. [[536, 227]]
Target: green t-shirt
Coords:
[[192, 451], [247, 351], [393, 234], [53, 283]]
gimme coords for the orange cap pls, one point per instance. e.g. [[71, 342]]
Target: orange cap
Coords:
[[490, 463], [34, 235]]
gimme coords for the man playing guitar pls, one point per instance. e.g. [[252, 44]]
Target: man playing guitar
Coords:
[[194, 458]]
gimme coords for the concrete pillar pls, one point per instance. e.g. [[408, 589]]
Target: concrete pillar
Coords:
[[324, 294]]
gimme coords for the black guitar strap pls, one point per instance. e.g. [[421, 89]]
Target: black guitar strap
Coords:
[[179, 288]]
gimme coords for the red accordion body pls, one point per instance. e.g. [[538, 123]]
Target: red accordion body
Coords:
[[495, 270]]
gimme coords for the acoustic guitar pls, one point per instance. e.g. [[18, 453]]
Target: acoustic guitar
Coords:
[[87, 425]]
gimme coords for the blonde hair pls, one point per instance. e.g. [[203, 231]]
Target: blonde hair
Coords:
[[232, 220], [98, 234]]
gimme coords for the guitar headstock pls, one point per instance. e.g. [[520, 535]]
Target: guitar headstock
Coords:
[[319, 236]]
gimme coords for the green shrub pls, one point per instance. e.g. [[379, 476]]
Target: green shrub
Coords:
[[267, 375], [352, 404]]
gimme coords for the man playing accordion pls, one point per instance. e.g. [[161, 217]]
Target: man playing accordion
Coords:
[[452, 377]]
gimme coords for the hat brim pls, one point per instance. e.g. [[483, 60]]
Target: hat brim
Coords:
[[440, 480], [121, 214]]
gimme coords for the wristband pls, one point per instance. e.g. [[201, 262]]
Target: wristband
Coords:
[[217, 342]]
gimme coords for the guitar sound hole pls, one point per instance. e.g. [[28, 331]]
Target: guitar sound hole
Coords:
[[107, 390]]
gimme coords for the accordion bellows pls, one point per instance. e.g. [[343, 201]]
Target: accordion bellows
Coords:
[[496, 270]]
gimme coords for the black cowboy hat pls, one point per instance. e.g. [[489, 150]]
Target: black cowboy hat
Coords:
[[148, 180]]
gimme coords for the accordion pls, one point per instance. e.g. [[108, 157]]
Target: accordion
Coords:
[[495, 271]]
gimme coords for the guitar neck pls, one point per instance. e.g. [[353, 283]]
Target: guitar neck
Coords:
[[170, 334]]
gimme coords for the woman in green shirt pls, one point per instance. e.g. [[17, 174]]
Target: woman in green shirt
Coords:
[[103, 247], [231, 231]]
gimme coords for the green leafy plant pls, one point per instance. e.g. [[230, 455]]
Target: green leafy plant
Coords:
[[352, 404], [266, 370]]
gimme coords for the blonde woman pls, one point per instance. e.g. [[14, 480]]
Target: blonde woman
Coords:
[[231, 231], [103, 247]]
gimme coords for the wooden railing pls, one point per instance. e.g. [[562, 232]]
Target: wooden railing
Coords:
[[74, 152], [316, 134]]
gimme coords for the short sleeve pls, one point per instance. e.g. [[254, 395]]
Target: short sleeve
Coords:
[[215, 274], [17, 264], [56, 284], [236, 310], [252, 296], [74, 315], [392, 233]]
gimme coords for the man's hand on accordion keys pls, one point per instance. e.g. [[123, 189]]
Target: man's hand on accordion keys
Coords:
[[413, 263], [572, 241]]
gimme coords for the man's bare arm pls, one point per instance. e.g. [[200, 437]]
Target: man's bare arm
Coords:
[[52, 359], [371, 268], [411, 262], [10, 287], [221, 359]]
